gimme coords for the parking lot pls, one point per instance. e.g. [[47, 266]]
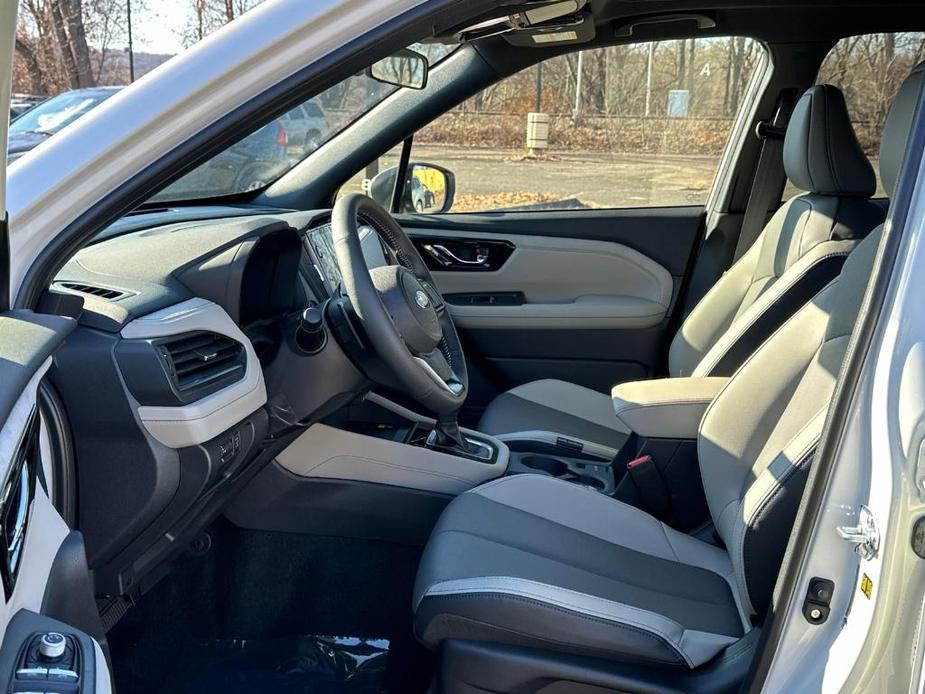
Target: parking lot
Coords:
[[488, 178]]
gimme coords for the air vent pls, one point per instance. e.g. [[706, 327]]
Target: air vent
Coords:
[[93, 290], [201, 363]]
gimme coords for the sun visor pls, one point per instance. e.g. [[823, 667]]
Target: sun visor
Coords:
[[575, 28]]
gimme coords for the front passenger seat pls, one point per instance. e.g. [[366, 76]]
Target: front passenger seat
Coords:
[[554, 568], [799, 251], [534, 561]]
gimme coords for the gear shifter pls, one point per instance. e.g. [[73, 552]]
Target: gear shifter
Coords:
[[447, 438], [448, 435]]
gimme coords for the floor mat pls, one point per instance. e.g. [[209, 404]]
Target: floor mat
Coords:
[[317, 664], [236, 618]]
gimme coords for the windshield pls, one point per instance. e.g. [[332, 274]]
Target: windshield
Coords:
[[52, 115], [265, 155]]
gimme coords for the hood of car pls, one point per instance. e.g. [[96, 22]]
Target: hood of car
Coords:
[[24, 141]]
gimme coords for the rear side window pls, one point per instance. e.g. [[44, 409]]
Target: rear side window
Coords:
[[312, 110], [638, 125], [869, 70]]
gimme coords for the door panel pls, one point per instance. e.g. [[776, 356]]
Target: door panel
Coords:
[[663, 234], [92, 672], [562, 283], [33, 535], [586, 295]]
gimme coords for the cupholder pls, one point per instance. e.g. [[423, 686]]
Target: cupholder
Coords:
[[551, 466], [593, 482]]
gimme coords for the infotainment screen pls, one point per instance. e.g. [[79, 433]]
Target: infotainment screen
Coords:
[[322, 244]]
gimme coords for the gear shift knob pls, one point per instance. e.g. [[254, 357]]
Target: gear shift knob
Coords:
[[448, 434]]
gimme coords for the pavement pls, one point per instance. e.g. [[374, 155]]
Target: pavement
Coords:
[[488, 178]]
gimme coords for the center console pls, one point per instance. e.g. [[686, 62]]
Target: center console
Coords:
[[397, 447], [656, 468], [597, 475], [477, 447]]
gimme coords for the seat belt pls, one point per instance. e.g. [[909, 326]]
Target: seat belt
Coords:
[[766, 186]]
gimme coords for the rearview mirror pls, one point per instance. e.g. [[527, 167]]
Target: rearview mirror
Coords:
[[428, 189], [403, 69]]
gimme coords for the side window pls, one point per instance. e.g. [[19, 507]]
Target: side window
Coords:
[[869, 70], [624, 126], [312, 110]]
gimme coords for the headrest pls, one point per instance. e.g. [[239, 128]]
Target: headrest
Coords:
[[897, 126], [821, 152]]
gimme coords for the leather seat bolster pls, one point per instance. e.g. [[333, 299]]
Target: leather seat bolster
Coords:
[[802, 281], [523, 612], [621, 584]]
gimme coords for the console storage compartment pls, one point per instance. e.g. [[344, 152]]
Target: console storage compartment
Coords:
[[665, 408]]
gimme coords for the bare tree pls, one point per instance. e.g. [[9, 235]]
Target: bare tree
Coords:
[[53, 40], [210, 15], [32, 65], [71, 35]]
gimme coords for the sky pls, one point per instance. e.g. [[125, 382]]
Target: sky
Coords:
[[157, 29]]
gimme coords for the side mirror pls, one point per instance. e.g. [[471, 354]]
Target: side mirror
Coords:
[[405, 68], [428, 189]]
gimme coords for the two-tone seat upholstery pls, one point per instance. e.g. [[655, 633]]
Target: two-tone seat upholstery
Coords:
[[537, 562], [799, 251]]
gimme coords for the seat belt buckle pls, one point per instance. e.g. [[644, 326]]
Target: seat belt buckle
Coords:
[[648, 480]]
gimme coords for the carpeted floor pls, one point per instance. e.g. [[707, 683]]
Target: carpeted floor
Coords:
[[245, 616]]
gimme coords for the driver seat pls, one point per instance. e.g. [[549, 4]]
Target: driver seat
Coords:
[[534, 562]]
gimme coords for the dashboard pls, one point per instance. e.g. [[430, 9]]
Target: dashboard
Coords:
[[184, 375]]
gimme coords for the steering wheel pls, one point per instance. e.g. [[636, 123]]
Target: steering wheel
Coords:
[[400, 308]]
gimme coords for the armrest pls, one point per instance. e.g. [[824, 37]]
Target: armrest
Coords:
[[666, 408]]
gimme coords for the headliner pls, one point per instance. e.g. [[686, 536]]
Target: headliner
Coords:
[[780, 21]]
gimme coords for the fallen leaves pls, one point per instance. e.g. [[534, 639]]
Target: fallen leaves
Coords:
[[479, 203]]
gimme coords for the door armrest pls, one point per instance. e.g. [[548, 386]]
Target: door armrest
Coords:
[[666, 408]]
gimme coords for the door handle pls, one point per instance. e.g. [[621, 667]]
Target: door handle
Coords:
[[15, 499], [16, 534], [447, 258]]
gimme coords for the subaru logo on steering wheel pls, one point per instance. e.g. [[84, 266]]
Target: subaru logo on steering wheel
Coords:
[[421, 299]]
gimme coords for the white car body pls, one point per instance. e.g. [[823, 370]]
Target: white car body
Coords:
[[53, 186]]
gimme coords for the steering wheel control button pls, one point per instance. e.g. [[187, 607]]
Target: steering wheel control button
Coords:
[[52, 645]]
